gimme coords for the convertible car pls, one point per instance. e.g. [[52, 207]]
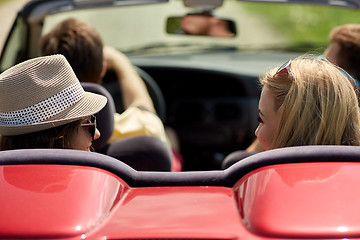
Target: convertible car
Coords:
[[204, 85]]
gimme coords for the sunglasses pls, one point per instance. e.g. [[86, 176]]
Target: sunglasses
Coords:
[[353, 80], [91, 125], [285, 69]]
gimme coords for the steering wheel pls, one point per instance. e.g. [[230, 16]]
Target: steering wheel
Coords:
[[110, 82]]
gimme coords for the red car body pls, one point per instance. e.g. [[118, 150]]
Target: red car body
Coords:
[[257, 198]]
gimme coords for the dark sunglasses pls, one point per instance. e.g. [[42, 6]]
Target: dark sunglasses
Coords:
[[91, 125], [285, 69]]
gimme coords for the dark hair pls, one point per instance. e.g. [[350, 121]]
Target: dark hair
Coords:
[[348, 37], [81, 45], [57, 137]]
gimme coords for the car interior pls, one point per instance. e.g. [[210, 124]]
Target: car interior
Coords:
[[211, 120], [143, 153]]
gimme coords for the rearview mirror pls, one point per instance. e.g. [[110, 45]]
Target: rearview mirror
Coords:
[[201, 25]]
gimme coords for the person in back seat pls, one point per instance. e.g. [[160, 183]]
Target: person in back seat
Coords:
[[343, 50], [306, 101], [43, 105]]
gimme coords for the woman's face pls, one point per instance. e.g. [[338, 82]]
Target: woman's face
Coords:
[[268, 119], [81, 139]]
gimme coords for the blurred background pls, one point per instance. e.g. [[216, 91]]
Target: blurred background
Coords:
[[298, 24], [8, 11]]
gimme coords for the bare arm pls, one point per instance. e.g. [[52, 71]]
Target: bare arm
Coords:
[[133, 87]]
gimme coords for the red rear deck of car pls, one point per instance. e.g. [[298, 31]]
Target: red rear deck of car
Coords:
[[300, 200]]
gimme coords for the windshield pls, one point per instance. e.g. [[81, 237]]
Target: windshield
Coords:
[[142, 29]]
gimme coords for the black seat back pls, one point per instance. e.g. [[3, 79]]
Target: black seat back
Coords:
[[143, 153], [104, 118]]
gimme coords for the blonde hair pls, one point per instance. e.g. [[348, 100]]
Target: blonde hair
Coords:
[[317, 105]]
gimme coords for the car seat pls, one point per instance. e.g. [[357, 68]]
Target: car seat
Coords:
[[235, 157], [104, 118], [143, 153], [297, 154]]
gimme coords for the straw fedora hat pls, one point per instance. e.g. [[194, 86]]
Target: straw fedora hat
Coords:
[[42, 93]]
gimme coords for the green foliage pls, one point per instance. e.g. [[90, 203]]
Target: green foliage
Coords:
[[173, 24], [304, 23]]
